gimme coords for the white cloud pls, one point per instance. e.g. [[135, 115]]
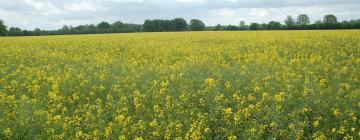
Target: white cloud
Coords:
[[83, 6]]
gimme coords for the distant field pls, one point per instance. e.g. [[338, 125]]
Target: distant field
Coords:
[[188, 85]]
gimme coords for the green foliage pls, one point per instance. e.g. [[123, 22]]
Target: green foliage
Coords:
[[197, 25], [330, 19], [254, 26], [3, 30], [303, 19], [180, 24], [159, 25], [103, 25], [289, 22], [218, 27], [242, 25], [273, 25]]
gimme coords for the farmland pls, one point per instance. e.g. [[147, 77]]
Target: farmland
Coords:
[[184, 85]]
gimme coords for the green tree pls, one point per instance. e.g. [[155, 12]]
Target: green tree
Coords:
[[232, 27], [14, 31], [117, 26], [273, 25], [242, 25], [103, 25], [303, 19], [152, 25], [180, 24], [254, 26], [197, 25], [65, 30], [289, 21], [218, 27], [3, 30], [330, 19], [37, 31]]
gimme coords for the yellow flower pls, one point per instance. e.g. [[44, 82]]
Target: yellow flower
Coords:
[[316, 123], [153, 123], [7, 132], [227, 85], [232, 137], [138, 138], [228, 110], [79, 134], [196, 135], [122, 137], [291, 126], [342, 130], [253, 130], [322, 82], [336, 113], [210, 82], [353, 129], [207, 130], [108, 131], [279, 97]]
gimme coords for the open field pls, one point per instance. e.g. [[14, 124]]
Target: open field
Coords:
[[188, 85]]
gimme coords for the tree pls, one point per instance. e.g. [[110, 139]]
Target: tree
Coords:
[[14, 31], [273, 25], [116, 27], [289, 21], [37, 31], [147, 26], [330, 19], [254, 26], [167, 25], [232, 27], [197, 25], [303, 19], [218, 27], [242, 25], [65, 30], [318, 25], [103, 25], [3, 30], [180, 24]]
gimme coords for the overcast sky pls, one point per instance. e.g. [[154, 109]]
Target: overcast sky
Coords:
[[53, 14]]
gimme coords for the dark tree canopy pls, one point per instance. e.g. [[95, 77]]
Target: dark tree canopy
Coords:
[[14, 31], [197, 25], [180, 24], [242, 25], [274, 25], [218, 27], [254, 26], [330, 19], [303, 19], [290, 22], [3, 30], [103, 25], [232, 27], [159, 25], [120, 27]]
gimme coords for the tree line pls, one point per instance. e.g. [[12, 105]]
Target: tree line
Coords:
[[301, 22]]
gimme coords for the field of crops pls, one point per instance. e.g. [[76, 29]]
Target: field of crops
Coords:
[[189, 85]]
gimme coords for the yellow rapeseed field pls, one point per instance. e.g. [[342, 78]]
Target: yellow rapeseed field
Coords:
[[188, 85]]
